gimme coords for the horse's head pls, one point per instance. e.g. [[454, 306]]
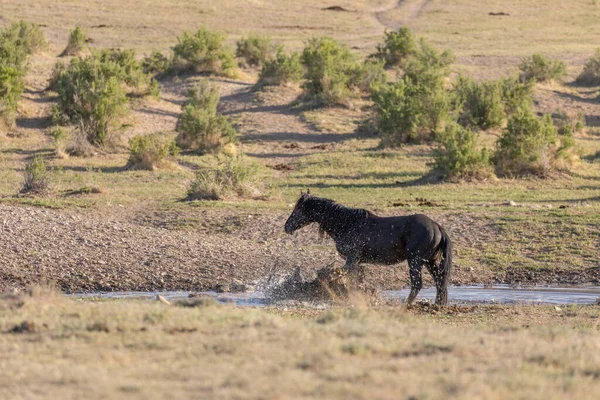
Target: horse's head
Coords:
[[299, 217]]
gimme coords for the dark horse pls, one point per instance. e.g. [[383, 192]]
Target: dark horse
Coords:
[[361, 236]]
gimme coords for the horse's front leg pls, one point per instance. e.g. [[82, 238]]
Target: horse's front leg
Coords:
[[354, 269]]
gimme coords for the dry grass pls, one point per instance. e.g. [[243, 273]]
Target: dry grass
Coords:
[[58, 348]]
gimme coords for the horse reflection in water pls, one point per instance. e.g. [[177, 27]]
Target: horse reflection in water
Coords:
[[363, 237]]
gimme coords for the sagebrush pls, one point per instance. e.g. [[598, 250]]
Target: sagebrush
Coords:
[[397, 47], [255, 50], [77, 44], [204, 51], [281, 70], [542, 69], [152, 151], [36, 177], [230, 177], [591, 71], [200, 126], [459, 156], [532, 146]]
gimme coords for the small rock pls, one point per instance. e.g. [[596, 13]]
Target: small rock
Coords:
[[511, 203], [557, 308], [163, 300], [549, 206]]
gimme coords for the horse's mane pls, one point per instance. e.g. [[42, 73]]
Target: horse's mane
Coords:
[[336, 209]]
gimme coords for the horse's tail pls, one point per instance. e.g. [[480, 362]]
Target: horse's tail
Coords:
[[445, 248]]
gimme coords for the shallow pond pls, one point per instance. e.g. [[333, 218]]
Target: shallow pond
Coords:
[[499, 294]]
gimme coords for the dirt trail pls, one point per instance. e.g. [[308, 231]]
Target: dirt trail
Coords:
[[402, 13]]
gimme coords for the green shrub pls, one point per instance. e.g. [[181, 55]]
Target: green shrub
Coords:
[[479, 104], [17, 42], [397, 47], [409, 112], [541, 69], [204, 51], [458, 155], [531, 145], [591, 71], [429, 67], [91, 95], [255, 50], [25, 35], [92, 92], [151, 151], [281, 70], [36, 177], [231, 177], [366, 76], [567, 125], [12, 85], [516, 95], [78, 42], [200, 126], [156, 64], [327, 76], [60, 140]]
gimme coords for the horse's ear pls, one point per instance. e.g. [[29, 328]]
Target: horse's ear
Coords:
[[307, 191]]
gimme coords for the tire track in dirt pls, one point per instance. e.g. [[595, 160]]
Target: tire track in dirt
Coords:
[[412, 11]]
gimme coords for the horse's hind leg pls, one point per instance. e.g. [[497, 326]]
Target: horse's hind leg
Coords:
[[416, 280], [441, 290]]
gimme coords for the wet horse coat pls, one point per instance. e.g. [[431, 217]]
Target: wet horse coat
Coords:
[[363, 237]]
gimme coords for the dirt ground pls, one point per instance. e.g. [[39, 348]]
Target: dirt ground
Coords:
[[138, 235]]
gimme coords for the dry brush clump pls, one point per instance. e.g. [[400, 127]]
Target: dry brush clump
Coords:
[[150, 152], [77, 44], [591, 71], [542, 69], [200, 126], [230, 177], [36, 178]]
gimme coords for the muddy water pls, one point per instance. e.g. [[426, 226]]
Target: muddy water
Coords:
[[500, 294]]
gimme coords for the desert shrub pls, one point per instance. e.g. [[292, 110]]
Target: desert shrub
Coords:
[[200, 126], [231, 177], [36, 177], [78, 42], [11, 87], [458, 155], [516, 95], [255, 50], [204, 51], [92, 92], [60, 139], [541, 69], [531, 145], [479, 104], [429, 66], [417, 106], [91, 95], [151, 151], [282, 69], [26, 35], [568, 125], [365, 76], [410, 112], [17, 42], [327, 76], [591, 71], [156, 64], [397, 47]]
